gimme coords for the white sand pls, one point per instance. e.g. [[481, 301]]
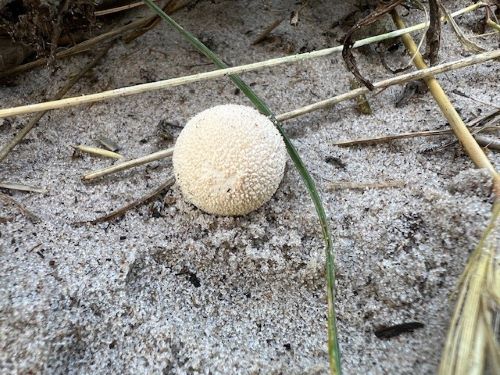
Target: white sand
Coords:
[[188, 293]]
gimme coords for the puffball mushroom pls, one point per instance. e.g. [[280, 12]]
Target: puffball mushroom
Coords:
[[229, 160]]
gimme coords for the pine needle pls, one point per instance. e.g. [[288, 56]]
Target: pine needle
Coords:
[[21, 187], [98, 152], [30, 215]]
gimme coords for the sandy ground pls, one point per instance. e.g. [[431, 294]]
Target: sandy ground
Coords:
[[169, 289]]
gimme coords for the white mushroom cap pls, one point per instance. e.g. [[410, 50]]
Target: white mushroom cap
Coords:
[[229, 160]]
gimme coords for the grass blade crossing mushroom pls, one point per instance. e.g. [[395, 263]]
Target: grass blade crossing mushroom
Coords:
[[333, 347]]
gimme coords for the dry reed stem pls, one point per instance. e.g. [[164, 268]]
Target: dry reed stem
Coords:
[[395, 137], [488, 120], [21, 187], [4, 151], [307, 109], [137, 89], [470, 145], [129, 164], [131, 90], [493, 25], [467, 342], [420, 74], [348, 185], [324, 104]]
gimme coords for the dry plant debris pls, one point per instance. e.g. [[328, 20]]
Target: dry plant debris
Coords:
[[482, 314], [472, 339]]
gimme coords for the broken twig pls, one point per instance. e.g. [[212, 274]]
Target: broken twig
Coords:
[[129, 164], [62, 91], [137, 89], [341, 185], [21, 187], [123, 210], [30, 215]]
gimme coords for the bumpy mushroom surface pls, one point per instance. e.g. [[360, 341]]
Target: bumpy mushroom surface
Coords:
[[229, 160]]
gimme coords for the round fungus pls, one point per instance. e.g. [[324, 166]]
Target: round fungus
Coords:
[[229, 160]]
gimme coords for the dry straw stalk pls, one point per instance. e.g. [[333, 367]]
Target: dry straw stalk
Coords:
[[470, 145], [471, 337], [129, 164], [126, 91], [320, 105], [142, 88]]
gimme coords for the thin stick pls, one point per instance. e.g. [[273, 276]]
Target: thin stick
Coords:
[[62, 91], [30, 215], [341, 185], [389, 138], [486, 117], [21, 187], [123, 210], [475, 59], [319, 105], [470, 145], [491, 143], [145, 87], [264, 34], [137, 89], [129, 164], [486, 126], [464, 95], [426, 133], [104, 12]]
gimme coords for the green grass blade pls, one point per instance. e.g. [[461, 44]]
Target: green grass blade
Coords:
[[333, 347]]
